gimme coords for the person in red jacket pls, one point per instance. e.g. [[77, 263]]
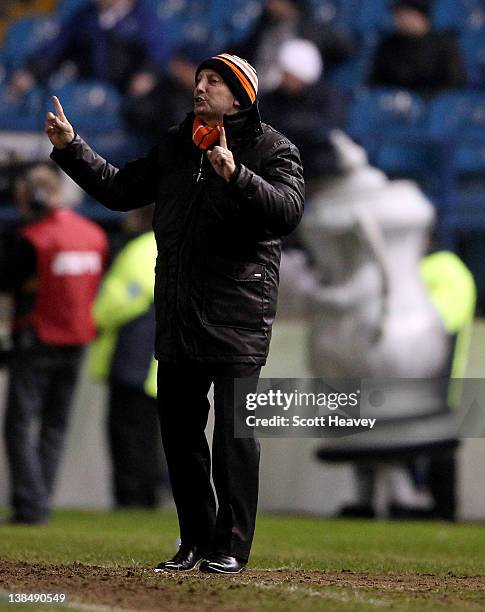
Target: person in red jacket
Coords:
[[52, 266]]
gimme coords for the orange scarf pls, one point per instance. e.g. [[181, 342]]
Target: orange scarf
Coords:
[[204, 135]]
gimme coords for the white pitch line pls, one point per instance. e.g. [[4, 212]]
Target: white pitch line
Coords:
[[341, 597]]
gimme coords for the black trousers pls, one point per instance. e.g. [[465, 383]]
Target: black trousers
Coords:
[[138, 465], [183, 409], [41, 386]]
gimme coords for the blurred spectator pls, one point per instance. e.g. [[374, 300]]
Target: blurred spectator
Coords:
[[166, 104], [305, 108], [120, 41], [283, 20], [123, 355], [416, 57], [53, 267]]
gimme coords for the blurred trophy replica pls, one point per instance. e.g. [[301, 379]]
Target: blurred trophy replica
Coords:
[[372, 319]]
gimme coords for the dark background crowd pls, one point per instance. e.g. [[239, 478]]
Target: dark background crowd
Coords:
[[406, 79]]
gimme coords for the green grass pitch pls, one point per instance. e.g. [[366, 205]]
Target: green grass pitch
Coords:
[[298, 563]]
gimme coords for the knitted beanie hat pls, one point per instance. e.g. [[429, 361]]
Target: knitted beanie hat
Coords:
[[238, 74]]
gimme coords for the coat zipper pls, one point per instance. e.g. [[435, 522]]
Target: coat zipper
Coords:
[[179, 248], [199, 174]]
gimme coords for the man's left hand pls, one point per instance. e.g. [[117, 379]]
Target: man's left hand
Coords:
[[221, 158]]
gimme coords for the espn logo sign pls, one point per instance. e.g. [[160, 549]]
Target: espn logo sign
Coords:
[[76, 263]]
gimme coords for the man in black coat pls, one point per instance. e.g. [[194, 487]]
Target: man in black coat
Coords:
[[226, 188], [415, 56]]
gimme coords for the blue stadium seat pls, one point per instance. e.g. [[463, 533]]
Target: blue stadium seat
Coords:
[[325, 11], [25, 36], [21, 113], [352, 74], [472, 42], [241, 19], [349, 75], [67, 8], [389, 124], [374, 16], [459, 118], [341, 15], [117, 146], [187, 22], [456, 14], [94, 106], [96, 212], [212, 23], [458, 121], [3, 67]]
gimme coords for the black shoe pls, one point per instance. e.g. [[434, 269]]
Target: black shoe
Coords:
[[185, 560], [222, 564], [356, 511], [411, 513]]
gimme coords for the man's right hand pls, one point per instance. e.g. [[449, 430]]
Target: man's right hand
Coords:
[[57, 127]]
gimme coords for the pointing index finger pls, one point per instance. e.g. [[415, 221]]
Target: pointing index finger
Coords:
[[58, 107], [222, 139]]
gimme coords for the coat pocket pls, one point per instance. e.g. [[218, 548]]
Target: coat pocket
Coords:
[[234, 293]]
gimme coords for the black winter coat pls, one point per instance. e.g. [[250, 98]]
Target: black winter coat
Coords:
[[218, 243]]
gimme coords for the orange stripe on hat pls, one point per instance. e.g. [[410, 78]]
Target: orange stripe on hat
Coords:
[[245, 67], [242, 78]]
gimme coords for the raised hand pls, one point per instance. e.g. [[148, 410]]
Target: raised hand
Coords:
[[221, 158], [57, 127]]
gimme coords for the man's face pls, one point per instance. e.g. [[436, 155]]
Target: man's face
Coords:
[[212, 97], [411, 22]]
